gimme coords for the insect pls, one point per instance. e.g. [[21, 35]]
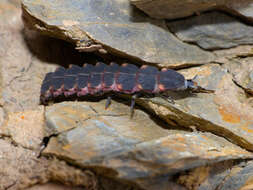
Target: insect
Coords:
[[100, 79]]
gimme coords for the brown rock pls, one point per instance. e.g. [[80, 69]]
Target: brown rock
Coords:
[[21, 119], [229, 176], [115, 27], [172, 9], [132, 150], [242, 70], [25, 128], [52, 186], [213, 30], [19, 167]]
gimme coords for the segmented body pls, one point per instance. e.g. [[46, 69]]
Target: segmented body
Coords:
[[102, 78]]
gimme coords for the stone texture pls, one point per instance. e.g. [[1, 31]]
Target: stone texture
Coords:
[[213, 30], [172, 9], [228, 176], [242, 70], [21, 166], [145, 146], [21, 118], [132, 150], [20, 69], [25, 128], [240, 178], [51, 186], [224, 113], [23, 169], [114, 25]]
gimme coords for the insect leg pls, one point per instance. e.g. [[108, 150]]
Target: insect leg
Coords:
[[132, 104], [108, 102]]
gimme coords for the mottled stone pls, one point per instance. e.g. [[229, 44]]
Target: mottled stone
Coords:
[[20, 69], [129, 149], [225, 113], [25, 128], [114, 25], [225, 175], [240, 177], [111, 127], [52, 186], [213, 30], [206, 177], [242, 71], [21, 118], [19, 166], [241, 8], [225, 55], [172, 9], [2, 117]]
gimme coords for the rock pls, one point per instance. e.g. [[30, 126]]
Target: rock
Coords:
[[20, 70], [2, 116], [113, 26], [171, 9], [242, 71], [25, 128], [52, 186], [133, 150], [21, 168], [228, 176], [121, 153], [240, 177], [225, 55], [21, 118], [108, 126], [224, 113], [213, 30]]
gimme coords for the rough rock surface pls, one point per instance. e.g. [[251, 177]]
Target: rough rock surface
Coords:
[[242, 71], [21, 118], [172, 9], [213, 30], [116, 26], [93, 148], [133, 150]]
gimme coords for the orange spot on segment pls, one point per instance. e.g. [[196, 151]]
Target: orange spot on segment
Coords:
[[164, 69], [22, 117], [140, 87], [161, 87], [119, 86], [228, 116], [124, 65]]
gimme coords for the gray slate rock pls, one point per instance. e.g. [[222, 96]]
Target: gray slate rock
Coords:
[[134, 150], [172, 9], [242, 70], [114, 26], [213, 31]]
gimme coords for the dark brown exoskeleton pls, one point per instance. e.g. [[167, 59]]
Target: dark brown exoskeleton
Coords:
[[101, 78]]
